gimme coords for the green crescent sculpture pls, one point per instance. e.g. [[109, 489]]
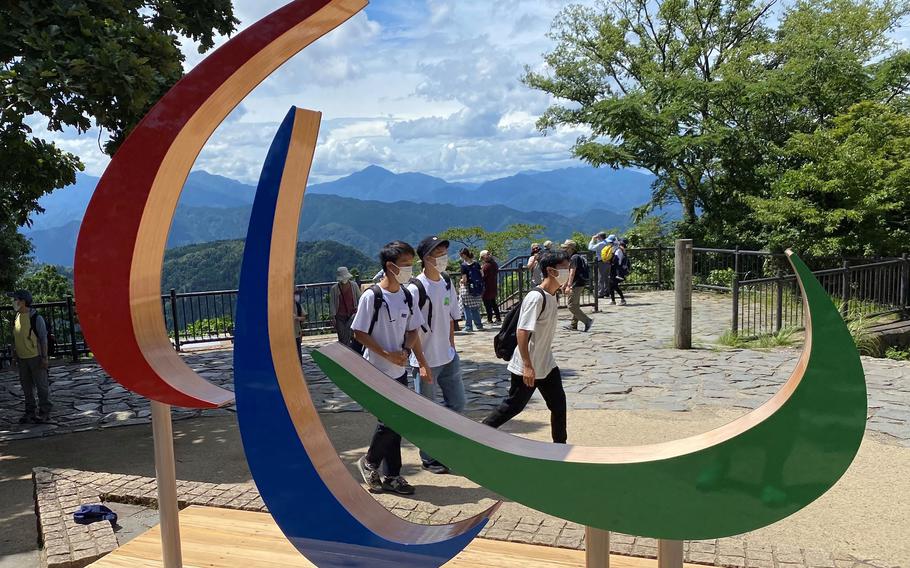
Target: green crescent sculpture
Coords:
[[740, 477]]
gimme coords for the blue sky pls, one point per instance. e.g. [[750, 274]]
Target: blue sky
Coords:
[[410, 85]]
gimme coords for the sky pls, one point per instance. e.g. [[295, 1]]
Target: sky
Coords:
[[410, 85]]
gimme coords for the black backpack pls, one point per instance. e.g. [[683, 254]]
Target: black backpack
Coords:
[[625, 267], [378, 301], [51, 338], [423, 298], [475, 280], [583, 272], [506, 341]]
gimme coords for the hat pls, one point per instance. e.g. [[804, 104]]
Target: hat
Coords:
[[569, 244], [602, 235], [624, 241], [429, 244], [22, 296], [343, 273], [548, 244], [484, 252], [611, 239]]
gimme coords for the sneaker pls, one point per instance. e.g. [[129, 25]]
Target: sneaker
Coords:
[[44, 418], [570, 328], [436, 468], [28, 419], [370, 476], [468, 330], [612, 302], [588, 326], [397, 485], [622, 302]]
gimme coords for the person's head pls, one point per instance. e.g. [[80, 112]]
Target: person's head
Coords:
[[22, 300], [548, 245], [555, 265], [343, 275], [624, 242], [397, 259], [611, 239], [569, 246], [486, 256], [433, 251], [601, 236], [297, 295], [466, 254], [535, 248]]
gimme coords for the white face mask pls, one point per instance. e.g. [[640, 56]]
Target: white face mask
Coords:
[[442, 263], [562, 276], [405, 273], [297, 298]]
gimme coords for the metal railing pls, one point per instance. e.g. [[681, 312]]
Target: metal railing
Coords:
[[63, 321]]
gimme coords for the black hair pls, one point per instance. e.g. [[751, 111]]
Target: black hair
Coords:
[[466, 252], [393, 251], [552, 260]]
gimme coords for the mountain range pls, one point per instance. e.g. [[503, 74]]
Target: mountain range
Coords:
[[373, 206]]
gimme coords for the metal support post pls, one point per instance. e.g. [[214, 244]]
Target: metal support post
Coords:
[[166, 473]]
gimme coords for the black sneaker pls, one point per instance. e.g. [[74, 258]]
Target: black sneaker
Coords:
[[436, 468], [44, 418], [28, 419], [397, 485], [622, 302], [588, 326], [569, 328], [370, 476]]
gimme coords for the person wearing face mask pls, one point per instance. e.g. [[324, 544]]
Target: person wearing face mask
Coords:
[[490, 270], [30, 339], [578, 279], [471, 290], [532, 365], [343, 298], [300, 318], [438, 303], [386, 324]]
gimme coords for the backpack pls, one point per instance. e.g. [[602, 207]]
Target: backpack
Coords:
[[625, 266], [423, 298], [607, 253], [475, 280], [583, 272], [51, 338], [506, 341], [378, 300]]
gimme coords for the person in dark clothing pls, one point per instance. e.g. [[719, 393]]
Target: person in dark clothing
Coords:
[[617, 276], [490, 271]]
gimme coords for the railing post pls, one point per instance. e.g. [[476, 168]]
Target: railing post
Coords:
[[595, 279], [71, 315], [174, 319], [683, 283], [735, 286], [845, 289], [660, 266], [905, 287], [779, 322], [737, 266]]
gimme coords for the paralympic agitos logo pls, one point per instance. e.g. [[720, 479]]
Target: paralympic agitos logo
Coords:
[[743, 476]]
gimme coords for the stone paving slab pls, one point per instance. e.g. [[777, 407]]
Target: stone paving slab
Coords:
[[506, 525], [625, 363]]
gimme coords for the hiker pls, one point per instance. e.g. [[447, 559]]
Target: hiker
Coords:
[[386, 325], [490, 271], [534, 265], [343, 298], [575, 287], [471, 290], [597, 244], [31, 353], [606, 261], [619, 270], [437, 302], [532, 365], [548, 246], [300, 318]]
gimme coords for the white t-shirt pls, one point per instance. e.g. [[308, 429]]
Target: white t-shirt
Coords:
[[542, 328], [389, 332], [436, 345]]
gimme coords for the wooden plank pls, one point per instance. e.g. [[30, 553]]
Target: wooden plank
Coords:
[[225, 538]]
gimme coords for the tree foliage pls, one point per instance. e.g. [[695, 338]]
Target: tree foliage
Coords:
[[499, 243], [704, 94], [46, 284]]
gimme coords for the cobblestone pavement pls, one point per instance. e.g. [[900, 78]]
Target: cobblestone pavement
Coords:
[[625, 363]]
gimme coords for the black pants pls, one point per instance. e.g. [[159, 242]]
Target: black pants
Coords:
[[385, 448], [614, 287], [492, 308], [519, 395]]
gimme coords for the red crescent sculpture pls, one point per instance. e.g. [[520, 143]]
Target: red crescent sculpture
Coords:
[[122, 240]]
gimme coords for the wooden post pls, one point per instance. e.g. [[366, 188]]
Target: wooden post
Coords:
[[166, 472], [669, 554], [683, 282], [597, 548]]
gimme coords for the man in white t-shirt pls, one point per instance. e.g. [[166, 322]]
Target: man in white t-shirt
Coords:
[[437, 301], [533, 365], [388, 334]]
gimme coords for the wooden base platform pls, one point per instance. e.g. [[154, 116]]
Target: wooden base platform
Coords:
[[225, 538]]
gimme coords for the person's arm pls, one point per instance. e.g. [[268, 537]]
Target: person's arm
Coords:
[[412, 342], [524, 347], [41, 334], [532, 262], [568, 286], [356, 289], [334, 293], [399, 358], [592, 245]]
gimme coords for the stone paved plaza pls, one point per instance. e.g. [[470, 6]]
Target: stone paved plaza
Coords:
[[625, 363], [624, 366]]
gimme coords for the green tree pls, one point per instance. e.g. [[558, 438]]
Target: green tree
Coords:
[[15, 251], [649, 232], [83, 64], [848, 191], [499, 243], [702, 94], [46, 284]]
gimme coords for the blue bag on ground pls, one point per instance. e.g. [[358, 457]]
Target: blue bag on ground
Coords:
[[88, 514]]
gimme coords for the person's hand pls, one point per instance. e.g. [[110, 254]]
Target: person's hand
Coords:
[[44, 363], [529, 375], [426, 375], [399, 358]]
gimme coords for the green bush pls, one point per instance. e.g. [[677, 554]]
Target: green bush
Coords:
[[898, 354], [209, 327], [720, 277]]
